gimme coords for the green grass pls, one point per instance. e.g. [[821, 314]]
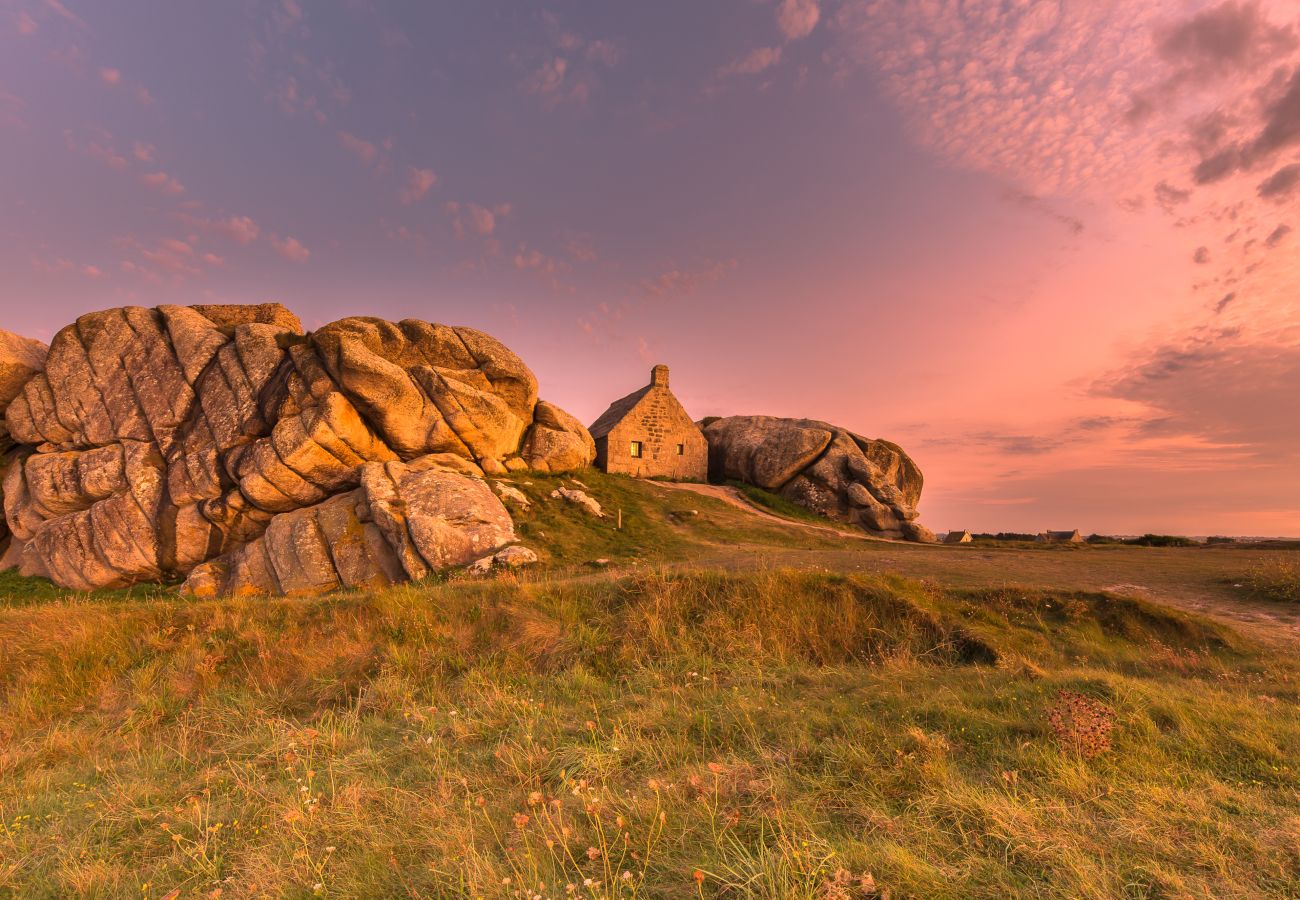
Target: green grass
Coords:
[[775, 503], [820, 731]]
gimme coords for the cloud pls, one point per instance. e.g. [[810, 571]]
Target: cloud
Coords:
[[161, 181], [1028, 201], [797, 18], [473, 219], [145, 153], [1169, 196], [1220, 386], [418, 183], [66, 14], [290, 248], [55, 264], [1277, 129], [675, 281], [25, 24], [110, 76], [550, 81], [362, 149], [1277, 236], [604, 52], [1201, 256], [1281, 184], [1224, 303], [753, 62], [1229, 37]]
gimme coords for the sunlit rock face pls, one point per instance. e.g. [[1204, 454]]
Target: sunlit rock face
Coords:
[[149, 442], [869, 483]]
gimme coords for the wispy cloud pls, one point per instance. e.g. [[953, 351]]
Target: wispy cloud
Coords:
[[291, 249], [161, 181], [418, 183], [752, 63]]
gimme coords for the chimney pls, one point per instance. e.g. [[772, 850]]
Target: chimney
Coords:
[[659, 376]]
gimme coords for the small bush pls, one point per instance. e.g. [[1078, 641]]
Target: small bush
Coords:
[[1160, 540], [1277, 579], [1081, 724]]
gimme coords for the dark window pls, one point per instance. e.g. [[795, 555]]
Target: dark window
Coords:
[[636, 449], [681, 449]]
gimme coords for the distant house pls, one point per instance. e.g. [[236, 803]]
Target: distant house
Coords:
[[1060, 537], [649, 434], [957, 537]]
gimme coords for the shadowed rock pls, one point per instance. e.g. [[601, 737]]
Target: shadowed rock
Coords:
[[155, 440], [869, 483]]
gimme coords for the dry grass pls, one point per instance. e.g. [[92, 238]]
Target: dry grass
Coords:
[[1277, 578], [767, 734]]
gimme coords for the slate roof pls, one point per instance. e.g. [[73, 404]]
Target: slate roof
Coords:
[[617, 410]]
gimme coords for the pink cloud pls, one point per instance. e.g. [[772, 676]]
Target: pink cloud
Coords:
[[25, 23], [110, 76], [471, 218], [605, 52], [143, 152], [797, 18], [418, 183], [754, 62], [548, 79], [55, 264], [677, 281], [11, 108], [362, 149], [163, 182], [291, 249], [64, 13]]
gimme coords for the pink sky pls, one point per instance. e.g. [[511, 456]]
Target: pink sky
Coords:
[[1045, 246]]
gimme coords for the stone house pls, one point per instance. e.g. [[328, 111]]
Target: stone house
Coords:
[[648, 434], [958, 537], [1060, 537]]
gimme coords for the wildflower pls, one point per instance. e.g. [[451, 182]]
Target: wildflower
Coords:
[[535, 798], [591, 726], [593, 853], [521, 819], [626, 876], [698, 876]]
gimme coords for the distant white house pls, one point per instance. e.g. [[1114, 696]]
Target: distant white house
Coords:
[[1060, 537]]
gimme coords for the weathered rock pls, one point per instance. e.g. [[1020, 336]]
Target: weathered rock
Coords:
[[511, 494], [827, 469], [20, 359], [154, 440], [513, 557], [557, 442], [404, 521], [586, 501]]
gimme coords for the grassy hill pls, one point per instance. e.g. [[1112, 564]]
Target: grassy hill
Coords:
[[732, 707]]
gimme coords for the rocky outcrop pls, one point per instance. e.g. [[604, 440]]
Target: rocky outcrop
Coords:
[[225, 442], [20, 359], [829, 470]]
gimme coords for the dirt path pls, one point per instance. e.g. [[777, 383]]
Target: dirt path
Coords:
[[733, 497]]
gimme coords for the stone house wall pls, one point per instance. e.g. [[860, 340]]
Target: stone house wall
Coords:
[[660, 423]]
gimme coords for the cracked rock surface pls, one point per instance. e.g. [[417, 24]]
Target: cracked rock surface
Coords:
[[827, 469], [226, 444]]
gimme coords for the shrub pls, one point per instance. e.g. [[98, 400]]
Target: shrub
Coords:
[[1081, 723], [1277, 579], [1160, 540]]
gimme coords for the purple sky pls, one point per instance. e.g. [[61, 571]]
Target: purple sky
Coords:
[[1046, 246]]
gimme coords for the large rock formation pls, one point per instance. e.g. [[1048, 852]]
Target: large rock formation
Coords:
[[225, 442], [831, 471], [20, 359]]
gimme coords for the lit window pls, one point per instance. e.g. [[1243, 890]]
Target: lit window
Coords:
[[681, 449], [636, 449]]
